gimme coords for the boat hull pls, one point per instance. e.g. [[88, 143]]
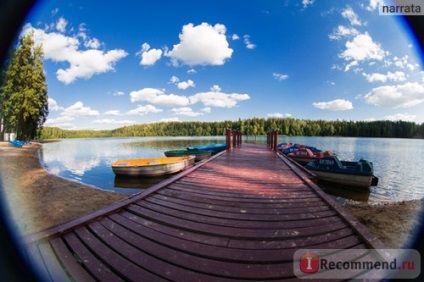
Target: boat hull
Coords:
[[155, 167], [215, 148], [363, 181], [199, 155]]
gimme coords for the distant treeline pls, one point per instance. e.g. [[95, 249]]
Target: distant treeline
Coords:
[[253, 126]]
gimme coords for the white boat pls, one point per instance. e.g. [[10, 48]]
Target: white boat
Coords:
[[152, 166]]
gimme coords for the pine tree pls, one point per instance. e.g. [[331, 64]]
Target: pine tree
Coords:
[[23, 95]]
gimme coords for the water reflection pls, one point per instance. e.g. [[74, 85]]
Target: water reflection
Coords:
[[90, 160], [343, 193], [138, 182], [397, 162]]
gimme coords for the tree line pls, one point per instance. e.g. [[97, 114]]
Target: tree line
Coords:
[[252, 127]]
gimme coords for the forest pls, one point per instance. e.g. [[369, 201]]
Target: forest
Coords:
[[252, 127]]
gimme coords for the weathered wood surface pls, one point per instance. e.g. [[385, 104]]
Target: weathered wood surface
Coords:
[[238, 216]]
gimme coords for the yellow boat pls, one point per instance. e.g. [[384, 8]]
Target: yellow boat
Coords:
[[152, 166]]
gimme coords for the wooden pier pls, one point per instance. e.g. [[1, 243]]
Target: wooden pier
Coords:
[[239, 215]]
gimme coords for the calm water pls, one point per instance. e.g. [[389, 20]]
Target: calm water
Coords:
[[397, 162]]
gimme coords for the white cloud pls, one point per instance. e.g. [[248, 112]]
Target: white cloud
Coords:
[[53, 106], [392, 76], [149, 56], [361, 48], [249, 45], [307, 3], [335, 105], [173, 119], [399, 116], [215, 98], [144, 110], [61, 25], [174, 79], [112, 113], [185, 84], [399, 96], [278, 115], [206, 110], [118, 93], [235, 37], [343, 31], [351, 16], [185, 111], [190, 71], [374, 4], [62, 122], [158, 96], [82, 63], [113, 121], [201, 45], [280, 76], [79, 110], [92, 43]]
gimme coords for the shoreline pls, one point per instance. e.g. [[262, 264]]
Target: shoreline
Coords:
[[45, 200]]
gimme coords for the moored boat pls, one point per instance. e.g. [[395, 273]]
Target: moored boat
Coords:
[[152, 166], [291, 148], [331, 169], [215, 148], [200, 155], [303, 156]]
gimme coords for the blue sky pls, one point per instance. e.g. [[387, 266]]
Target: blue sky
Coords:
[[114, 63]]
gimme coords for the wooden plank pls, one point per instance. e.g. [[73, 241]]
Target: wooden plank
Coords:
[[36, 259], [263, 210], [92, 263], [294, 203], [172, 230], [258, 193], [52, 263], [121, 266], [282, 220], [235, 213], [231, 231], [76, 271], [159, 260], [241, 221], [201, 249], [196, 267], [234, 201], [332, 239]]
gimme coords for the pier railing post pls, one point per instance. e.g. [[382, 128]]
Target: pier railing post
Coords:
[[275, 140], [236, 136], [228, 138]]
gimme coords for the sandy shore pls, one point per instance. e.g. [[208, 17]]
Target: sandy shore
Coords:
[[39, 200]]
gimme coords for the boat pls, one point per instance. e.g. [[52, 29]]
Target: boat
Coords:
[[152, 166], [303, 156], [291, 148], [355, 174], [215, 148], [200, 155]]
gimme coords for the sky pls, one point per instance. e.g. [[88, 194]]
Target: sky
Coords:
[[111, 64]]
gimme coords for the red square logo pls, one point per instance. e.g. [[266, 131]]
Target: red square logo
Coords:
[[309, 263]]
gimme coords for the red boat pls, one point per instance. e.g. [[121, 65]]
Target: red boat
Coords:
[[303, 156]]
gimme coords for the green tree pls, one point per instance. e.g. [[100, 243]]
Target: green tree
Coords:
[[23, 94]]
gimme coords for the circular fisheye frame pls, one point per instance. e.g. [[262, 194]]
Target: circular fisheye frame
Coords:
[[13, 265]]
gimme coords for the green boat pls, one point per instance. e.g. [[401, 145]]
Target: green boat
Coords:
[[200, 155]]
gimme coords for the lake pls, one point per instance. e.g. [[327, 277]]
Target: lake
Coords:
[[397, 162]]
